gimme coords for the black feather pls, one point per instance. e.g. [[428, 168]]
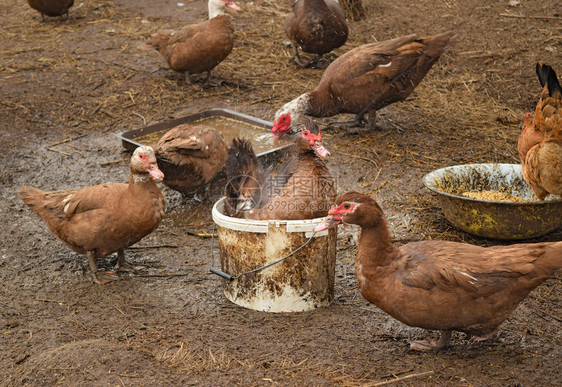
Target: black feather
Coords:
[[547, 76], [244, 176]]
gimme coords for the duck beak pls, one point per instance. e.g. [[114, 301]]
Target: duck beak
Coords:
[[232, 5], [319, 148], [328, 222], [155, 172]]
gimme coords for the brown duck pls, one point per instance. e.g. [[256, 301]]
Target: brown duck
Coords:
[[447, 286], [301, 188], [190, 157], [317, 27], [106, 218], [199, 47], [366, 79], [540, 142], [51, 7]]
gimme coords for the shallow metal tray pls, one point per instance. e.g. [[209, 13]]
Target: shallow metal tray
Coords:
[[130, 138]]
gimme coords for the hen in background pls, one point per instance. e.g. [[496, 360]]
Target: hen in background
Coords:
[[540, 142]]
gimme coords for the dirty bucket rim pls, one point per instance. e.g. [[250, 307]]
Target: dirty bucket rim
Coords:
[[262, 226]]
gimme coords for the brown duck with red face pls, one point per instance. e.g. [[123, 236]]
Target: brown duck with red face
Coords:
[[367, 79], [190, 157], [302, 188], [540, 142], [317, 26], [199, 47], [441, 285], [106, 218]]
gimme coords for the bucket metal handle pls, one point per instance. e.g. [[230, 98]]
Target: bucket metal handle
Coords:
[[232, 278]]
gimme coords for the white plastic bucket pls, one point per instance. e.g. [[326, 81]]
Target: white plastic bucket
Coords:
[[301, 282]]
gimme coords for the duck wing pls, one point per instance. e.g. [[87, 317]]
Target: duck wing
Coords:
[[66, 204], [479, 271], [374, 75]]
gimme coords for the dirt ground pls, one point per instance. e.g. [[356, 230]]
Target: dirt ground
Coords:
[[84, 80]]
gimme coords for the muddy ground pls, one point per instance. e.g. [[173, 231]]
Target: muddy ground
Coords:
[[84, 80]]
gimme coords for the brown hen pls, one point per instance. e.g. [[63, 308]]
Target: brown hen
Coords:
[[540, 142]]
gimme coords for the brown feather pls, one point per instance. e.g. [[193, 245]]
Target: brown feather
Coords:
[[301, 188], [375, 75], [540, 142], [191, 156], [100, 219], [196, 48], [443, 285], [316, 26], [367, 79]]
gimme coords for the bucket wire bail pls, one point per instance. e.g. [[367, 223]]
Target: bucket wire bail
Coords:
[[233, 277]]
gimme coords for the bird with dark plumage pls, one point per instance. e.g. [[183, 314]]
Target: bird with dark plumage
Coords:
[[106, 218], [540, 141], [51, 7], [366, 79], [197, 48], [441, 285], [317, 27], [301, 188]]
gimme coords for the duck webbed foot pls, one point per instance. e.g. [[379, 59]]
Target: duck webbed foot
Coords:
[[486, 336], [315, 63], [202, 193], [100, 277], [123, 265], [356, 126], [426, 345], [103, 277], [318, 62], [297, 58], [208, 81]]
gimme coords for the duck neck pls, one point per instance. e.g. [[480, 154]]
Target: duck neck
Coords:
[[318, 107], [298, 106], [216, 8], [375, 246], [138, 180]]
